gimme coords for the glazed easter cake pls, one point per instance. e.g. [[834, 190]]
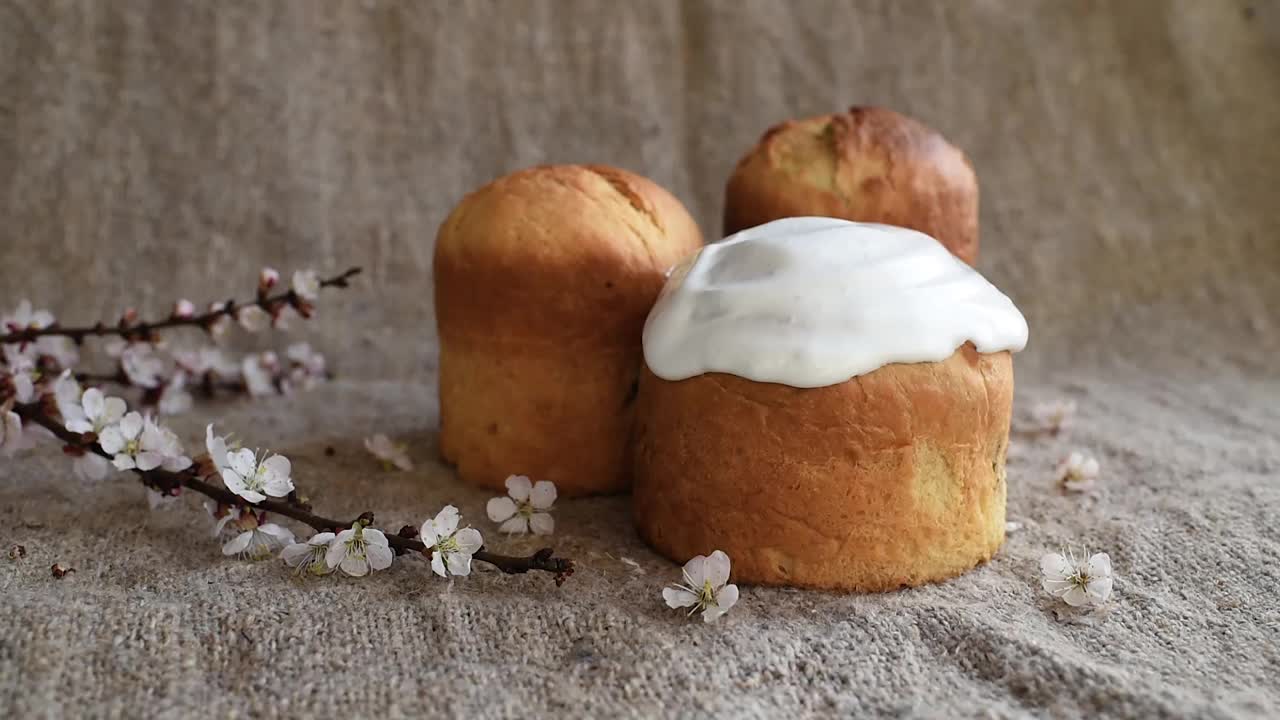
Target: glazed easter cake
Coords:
[[828, 402]]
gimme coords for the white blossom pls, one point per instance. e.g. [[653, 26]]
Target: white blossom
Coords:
[[25, 317], [255, 478], [451, 548], [526, 507], [267, 279], [142, 365], [184, 309], [309, 556], [1077, 582], [705, 587], [258, 372], [257, 538], [94, 413], [1078, 472], [218, 327], [174, 397], [206, 360], [306, 284], [253, 318], [21, 373], [307, 366], [391, 454], [141, 444], [1055, 416], [358, 551]]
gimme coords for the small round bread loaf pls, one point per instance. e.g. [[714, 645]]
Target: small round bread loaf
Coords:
[[543, 279], [828, 403], [894, 478], [869, 165]]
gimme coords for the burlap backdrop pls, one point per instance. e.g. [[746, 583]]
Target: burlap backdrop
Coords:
[[1130, 172]]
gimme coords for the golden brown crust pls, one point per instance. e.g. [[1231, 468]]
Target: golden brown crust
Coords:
[[894, 478], [865, 165], [543, 279]]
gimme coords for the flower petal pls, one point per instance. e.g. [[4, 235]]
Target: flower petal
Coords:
[[1099, 566], [123, 462], [717, 568], [380, 556], [543, 495], [374, 538], [542, 524], [149, 460], [500, 509], [517, 525], [727, 597], [1075, 596], [131, 426], [519, 487], [695, 571], [447, 520], [427, 533], [279, 532], [677, 597], [243, 463], [93, 402], [355, 565], [468, 540], [111, 440], [459, 564], [337, 549], [296, 554], [238, 544], [1054, 567], [321, 539], [113, 409], [437, 564]]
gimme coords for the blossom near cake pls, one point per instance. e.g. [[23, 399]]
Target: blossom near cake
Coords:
[[829, 403]]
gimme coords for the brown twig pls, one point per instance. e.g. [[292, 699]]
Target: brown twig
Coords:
[[144, 330], [167, 482]]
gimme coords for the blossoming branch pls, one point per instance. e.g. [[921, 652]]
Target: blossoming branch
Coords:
[[102, 434]]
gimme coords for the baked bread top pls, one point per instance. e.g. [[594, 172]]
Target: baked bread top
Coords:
[[812, 302], [559, 253], [868, 164]]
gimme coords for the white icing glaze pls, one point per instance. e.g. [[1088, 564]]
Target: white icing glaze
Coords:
[[810, 302]]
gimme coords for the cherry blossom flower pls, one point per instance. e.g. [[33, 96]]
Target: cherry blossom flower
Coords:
[[253, 318], [391, 454], [526, 507], [206, 360], [257, 538], [307, 365], [254, 478], [218, 327], [1075, 581], [25, 317], [1078, 472], [1056, 416], [20, 376], [141, 444], [94, 413], [184, 309], [267, 279], [142, 365], [259, 373], [306, 284], [61, 349], [309, 556], [174, 397], [705, 587], [451, 548], [359, 550]]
